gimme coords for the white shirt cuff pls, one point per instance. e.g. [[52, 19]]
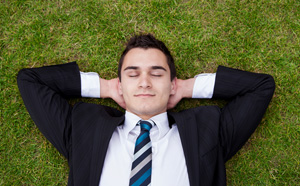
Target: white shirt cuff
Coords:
[[204, 85], [90, 84]]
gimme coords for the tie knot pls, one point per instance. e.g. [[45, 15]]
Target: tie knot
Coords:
[[145, 125]]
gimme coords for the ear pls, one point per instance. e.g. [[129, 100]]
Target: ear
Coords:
[[173, 86], [120, 87]]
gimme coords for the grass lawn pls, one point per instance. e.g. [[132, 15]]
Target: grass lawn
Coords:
[[260, 36]]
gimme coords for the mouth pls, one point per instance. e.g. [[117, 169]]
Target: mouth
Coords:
[[144, 95]]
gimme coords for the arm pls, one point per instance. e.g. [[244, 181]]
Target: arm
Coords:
[[95, 87], [249, 95], [201, 86], [45, 92]]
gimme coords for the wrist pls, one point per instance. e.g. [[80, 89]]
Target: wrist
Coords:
[[104, 88], [109, 88], [186, 87]]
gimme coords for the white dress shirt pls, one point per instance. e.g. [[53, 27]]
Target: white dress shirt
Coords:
[[168, 161]]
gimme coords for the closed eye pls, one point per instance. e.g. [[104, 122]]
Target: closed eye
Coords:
[[133, 74], [156, 75]]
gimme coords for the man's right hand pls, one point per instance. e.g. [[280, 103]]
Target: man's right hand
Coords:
[[109, 89]]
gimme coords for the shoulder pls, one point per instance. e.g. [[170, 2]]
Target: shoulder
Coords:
[[91, 109], [89, 112], [199, 113], [200, 124], [88, 118], [201, 118]]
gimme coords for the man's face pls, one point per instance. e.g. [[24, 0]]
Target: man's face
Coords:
[[146, 83]]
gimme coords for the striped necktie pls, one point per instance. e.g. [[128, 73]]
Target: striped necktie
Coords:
[[142, 162]]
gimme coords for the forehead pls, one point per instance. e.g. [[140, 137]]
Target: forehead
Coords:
[[144, 58]]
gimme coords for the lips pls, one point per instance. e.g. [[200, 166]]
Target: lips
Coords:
[[144, 95]]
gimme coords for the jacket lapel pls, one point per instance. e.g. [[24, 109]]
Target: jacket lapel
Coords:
[[102, 138], [187, 128]]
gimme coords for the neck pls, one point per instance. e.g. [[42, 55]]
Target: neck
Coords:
[[145, 116]]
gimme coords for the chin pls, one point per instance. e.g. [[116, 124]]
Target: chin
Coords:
[[151, 112]]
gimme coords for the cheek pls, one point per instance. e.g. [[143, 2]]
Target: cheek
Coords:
[[126, 91], [165, 92]]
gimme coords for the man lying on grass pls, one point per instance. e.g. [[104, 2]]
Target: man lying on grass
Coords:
[[147, 144]]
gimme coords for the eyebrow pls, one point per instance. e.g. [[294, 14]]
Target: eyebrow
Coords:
[[131, 68], [158, 68], [152, 67]]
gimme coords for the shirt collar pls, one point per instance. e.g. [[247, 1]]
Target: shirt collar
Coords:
[[160, 120]]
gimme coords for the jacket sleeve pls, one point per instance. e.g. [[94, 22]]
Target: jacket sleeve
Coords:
[[45, 92], [249, 95]]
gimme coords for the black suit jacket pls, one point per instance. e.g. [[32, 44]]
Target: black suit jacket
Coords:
[[209, 135]]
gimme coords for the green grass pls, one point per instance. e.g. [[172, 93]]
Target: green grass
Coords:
[[260, 36]]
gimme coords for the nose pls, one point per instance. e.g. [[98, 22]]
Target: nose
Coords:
[[145, 81]]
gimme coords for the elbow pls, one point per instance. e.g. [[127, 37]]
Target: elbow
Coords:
[[22, 74], [269, 85], [25, 74]]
